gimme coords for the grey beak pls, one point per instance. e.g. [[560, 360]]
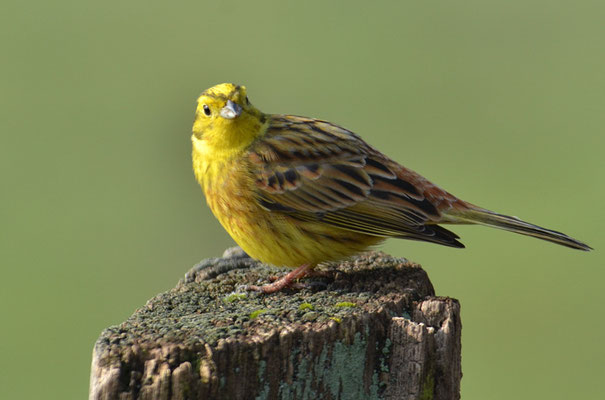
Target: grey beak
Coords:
[[231, 110]]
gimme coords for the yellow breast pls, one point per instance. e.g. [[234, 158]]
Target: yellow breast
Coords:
[[271, 237]]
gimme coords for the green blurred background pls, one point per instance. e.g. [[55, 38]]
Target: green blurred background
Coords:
[[501, 103]]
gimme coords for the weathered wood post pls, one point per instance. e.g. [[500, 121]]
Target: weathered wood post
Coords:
[[370, 328]]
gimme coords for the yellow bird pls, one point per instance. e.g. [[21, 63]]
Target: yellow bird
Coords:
[[295, 191]]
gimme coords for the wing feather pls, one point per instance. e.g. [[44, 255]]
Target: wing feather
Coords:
[[316, 171]]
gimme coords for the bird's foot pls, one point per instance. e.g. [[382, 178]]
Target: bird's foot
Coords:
[[283, 282]]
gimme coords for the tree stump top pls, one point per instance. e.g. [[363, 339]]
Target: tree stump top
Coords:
[[203, 308], [207, 338]]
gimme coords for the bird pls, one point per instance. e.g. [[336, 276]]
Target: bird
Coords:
[[295, 191]]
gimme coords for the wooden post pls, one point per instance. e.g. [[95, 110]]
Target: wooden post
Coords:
[[368, 328]]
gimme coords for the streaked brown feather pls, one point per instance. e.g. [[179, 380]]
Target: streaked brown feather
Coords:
[[313, 170]]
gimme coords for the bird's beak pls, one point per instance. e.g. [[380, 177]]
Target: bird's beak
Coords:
[[231, 110]]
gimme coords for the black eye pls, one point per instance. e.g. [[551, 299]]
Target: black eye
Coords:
[[207, 110]]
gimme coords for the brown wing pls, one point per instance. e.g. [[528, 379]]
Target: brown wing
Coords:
[[317, 171]]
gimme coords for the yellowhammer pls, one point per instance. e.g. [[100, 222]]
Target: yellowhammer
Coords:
[[295, 191]]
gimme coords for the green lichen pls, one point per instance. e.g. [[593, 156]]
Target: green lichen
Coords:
[[387, 346], [386, 350], [346, 304], [375, 386], [339, 378], [262, 366], [264, 394], [339, 320], [234, 297], [301, 386], [196, 362], [331, 370], [296, 389], [256, 313], [305, 306], [310, 316], [428, 387]]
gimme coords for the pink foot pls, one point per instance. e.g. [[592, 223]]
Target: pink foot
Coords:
[[285, 281]]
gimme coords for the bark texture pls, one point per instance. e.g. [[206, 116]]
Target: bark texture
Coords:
[[367, 328]]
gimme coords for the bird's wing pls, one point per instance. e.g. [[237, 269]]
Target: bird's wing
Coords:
[[316, 171]]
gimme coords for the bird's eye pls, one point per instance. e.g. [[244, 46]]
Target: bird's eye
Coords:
[[207, 110], [247, 100]]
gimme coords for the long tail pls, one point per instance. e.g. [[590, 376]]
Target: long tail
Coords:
[[514, 224]]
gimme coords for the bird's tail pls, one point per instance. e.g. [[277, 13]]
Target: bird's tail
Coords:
[[514, 224]]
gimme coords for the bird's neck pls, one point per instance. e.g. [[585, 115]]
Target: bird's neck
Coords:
[[227, 138], [217, 148]]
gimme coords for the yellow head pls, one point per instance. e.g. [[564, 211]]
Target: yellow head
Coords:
[[225, 120]]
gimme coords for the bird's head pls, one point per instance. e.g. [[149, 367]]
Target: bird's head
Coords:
[[225, 119]]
